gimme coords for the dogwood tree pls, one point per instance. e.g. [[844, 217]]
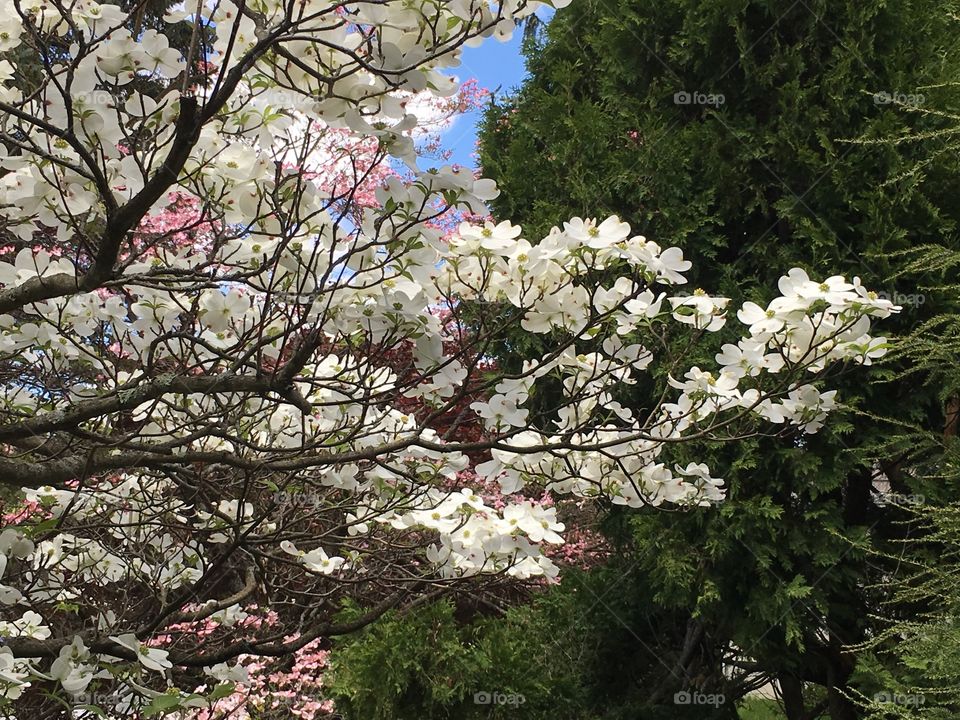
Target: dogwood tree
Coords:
[[212, 442]]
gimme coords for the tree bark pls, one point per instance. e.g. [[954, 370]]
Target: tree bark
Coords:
[[791, 692]]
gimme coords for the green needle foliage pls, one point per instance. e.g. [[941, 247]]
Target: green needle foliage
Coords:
[[432, 664], [825, 154], [911, 667], [834, 149]]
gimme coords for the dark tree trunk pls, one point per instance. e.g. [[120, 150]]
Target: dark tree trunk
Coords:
[[791, 690]]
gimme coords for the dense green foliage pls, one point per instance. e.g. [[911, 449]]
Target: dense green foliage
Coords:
[[800, 165], [556, 653], [911, 668], [431, 664], [812, 575]]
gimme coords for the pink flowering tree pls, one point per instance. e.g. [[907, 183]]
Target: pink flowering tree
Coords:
[[240, 391]]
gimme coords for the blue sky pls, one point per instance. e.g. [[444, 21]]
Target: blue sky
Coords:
[[494, 65]]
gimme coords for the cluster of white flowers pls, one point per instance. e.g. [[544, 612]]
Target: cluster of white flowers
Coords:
[[165, 392]]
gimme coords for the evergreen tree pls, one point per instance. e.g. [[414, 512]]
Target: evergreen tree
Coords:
[[911, 668], [756, 135]]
